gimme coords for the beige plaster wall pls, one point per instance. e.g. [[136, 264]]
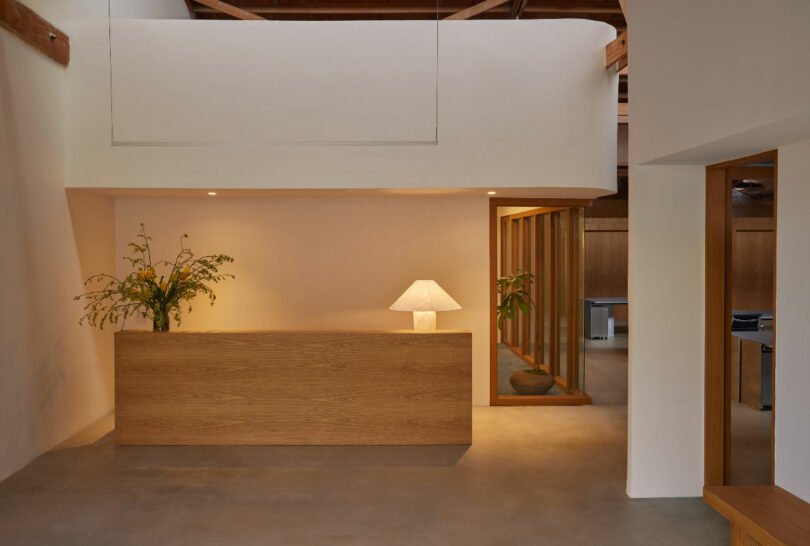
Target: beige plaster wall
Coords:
[[55, 377], [327, 262]]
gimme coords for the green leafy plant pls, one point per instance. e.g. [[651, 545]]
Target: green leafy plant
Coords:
[[143, 293], [514, 292]]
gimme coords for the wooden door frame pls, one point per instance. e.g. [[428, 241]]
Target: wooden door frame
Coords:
[[719, 230], [514, 400]]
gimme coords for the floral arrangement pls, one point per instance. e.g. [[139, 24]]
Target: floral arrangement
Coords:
[[144, 293]]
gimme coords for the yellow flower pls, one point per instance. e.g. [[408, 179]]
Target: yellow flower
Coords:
[[185, 273], [146, 274], [163, 285]]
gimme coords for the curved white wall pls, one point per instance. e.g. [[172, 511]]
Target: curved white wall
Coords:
[[521, 104]]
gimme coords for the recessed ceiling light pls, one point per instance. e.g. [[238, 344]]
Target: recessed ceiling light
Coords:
[[212, 193], [490, 193]]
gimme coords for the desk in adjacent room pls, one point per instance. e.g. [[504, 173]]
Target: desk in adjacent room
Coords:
[[599, 316], [752, 368]]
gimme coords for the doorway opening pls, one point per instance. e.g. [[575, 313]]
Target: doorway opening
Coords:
[[537, 353], [740, 325]]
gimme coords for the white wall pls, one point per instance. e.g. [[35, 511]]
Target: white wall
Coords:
[[55, 377], [146, 9], [666, 242], [707, 71], [521, 104], [792, 404], [326, 262], [232, 82], [710, 82]]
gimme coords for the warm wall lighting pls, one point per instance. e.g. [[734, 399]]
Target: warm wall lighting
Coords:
[[212, 193], [424, 298], [490, 193]]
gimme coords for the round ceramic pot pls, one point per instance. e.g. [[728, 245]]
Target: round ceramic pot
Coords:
[[531, 383]]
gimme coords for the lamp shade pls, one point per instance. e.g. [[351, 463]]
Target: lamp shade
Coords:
[[425, 296]]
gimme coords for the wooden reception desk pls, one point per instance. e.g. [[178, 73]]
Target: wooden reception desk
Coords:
[[293, 388]]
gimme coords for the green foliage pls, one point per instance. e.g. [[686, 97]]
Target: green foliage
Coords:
[[143, 293], [514, 292]]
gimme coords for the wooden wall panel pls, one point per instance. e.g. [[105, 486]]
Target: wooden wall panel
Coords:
[[606, 257], [605, 264], [718, 337], [753, 263], [734, 371], [751, 372], [296, 388]]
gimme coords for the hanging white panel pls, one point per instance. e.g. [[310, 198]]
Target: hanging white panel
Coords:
[[201, 82]]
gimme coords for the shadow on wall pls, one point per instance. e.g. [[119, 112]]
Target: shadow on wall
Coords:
[[54, 377]]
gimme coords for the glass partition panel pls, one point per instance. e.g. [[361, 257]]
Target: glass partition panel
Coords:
[[543, 341], [562, 288], [531, 267], [578, 246]]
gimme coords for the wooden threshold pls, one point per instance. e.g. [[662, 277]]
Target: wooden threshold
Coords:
[[543, 400]]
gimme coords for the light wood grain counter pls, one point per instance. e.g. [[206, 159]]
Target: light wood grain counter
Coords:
[[293, 387]]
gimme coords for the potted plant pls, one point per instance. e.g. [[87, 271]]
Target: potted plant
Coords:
[[146, 293], [514, 293]]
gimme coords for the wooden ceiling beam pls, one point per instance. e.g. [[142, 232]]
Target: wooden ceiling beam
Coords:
[[751, 173], [25, 24], [575, 9], [338, 9], [231, 10], [616, 52], [416, 8], [472, 11]]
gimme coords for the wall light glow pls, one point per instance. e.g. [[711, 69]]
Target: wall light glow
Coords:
[[490, 193], [212, 193]]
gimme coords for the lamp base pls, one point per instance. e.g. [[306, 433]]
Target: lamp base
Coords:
[[424, 320]]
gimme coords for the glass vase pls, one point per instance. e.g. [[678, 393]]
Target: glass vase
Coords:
[[160, 319]]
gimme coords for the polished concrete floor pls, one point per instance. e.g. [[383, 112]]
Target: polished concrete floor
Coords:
[[750, 445], [534, 475], [606, 370]]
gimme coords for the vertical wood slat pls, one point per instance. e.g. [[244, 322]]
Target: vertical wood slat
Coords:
[[32, 29], [553, 316], [493, 298], [569, 305], [574, 295], [526, 319], [539, 281], [514, 235], [717, 373], [504, 243]]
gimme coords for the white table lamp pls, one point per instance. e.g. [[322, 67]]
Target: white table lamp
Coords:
[[424, 298]]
